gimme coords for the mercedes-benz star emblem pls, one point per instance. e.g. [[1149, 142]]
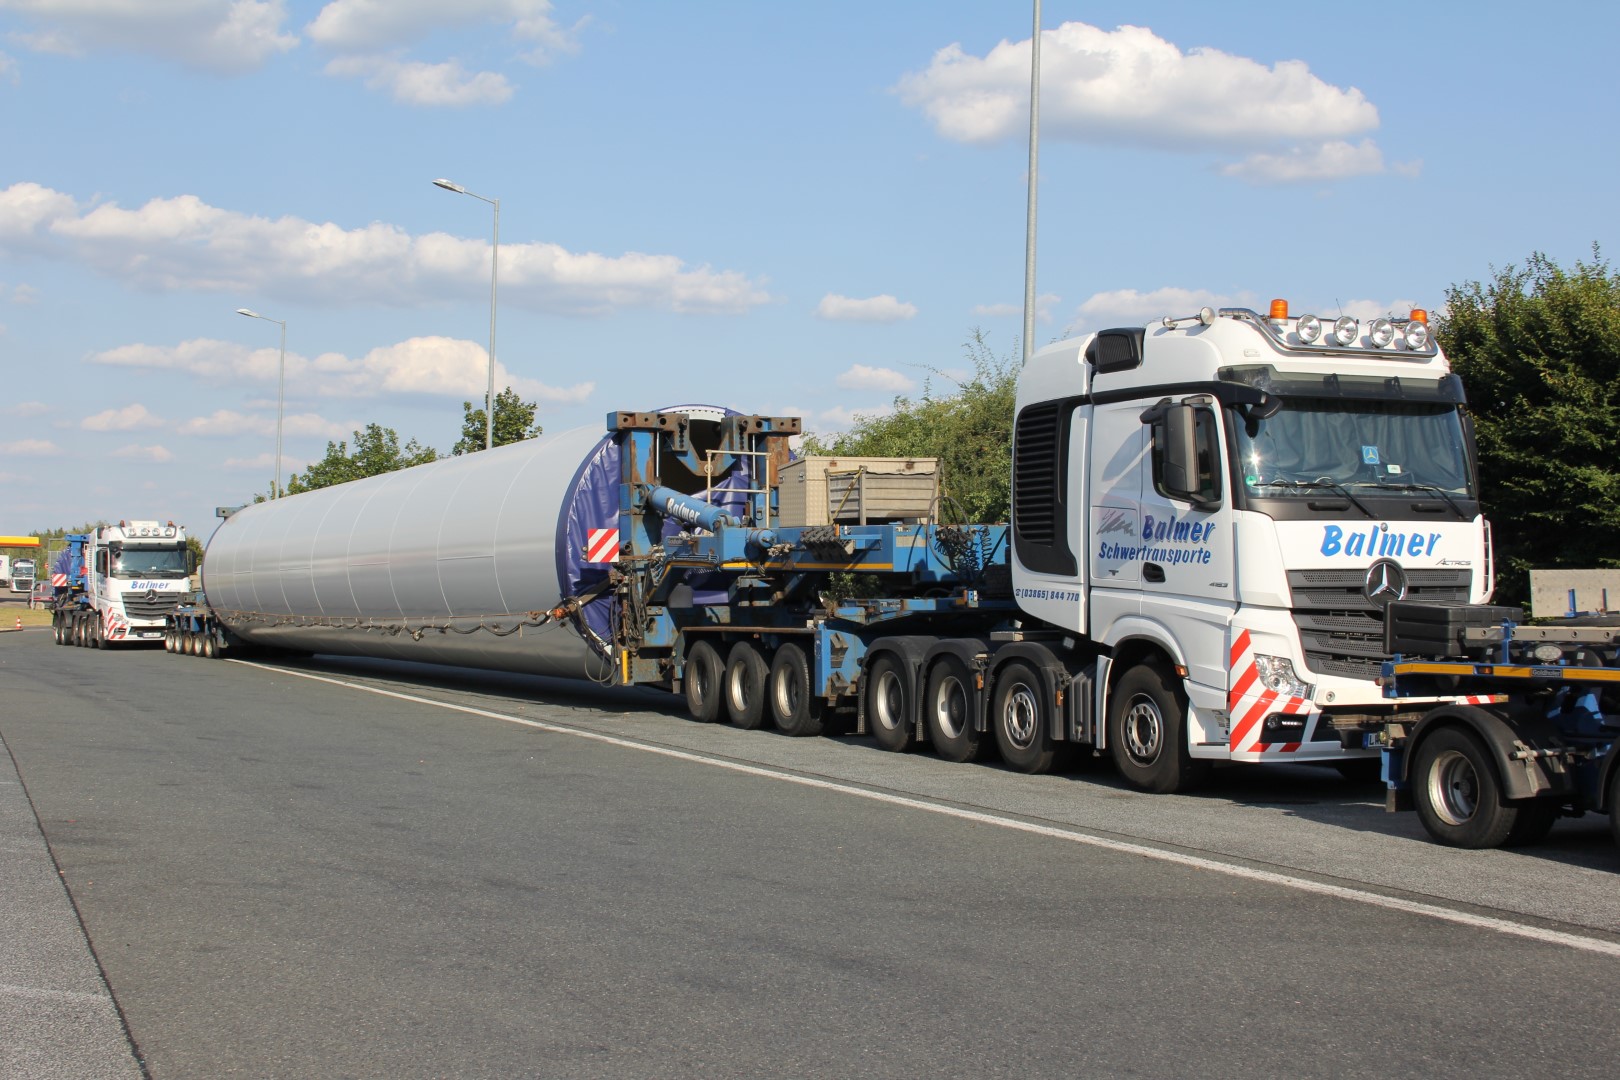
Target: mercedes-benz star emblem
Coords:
[[151, 596], [1385, 583]]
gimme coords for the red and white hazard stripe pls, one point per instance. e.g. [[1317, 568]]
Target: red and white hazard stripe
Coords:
[[1250, 703], [58, 580], [602, 546]]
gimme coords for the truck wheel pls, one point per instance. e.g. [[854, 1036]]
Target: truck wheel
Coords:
[[795, 709], [1536, 819], [1458, 794], [56, 628], [949, 713], [745, 686], [1614, 805], [701, 680], [210, 648], [1147, 732], [888, 704], [1023, 721], [96, 641]]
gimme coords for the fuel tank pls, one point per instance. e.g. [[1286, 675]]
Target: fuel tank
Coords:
[[452, 562]]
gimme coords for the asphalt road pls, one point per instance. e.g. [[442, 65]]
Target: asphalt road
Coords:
[[283, 872]]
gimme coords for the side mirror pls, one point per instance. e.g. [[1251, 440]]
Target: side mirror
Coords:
[[1180, 451]]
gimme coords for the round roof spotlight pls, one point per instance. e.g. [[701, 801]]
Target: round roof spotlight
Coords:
[[1309, 329], [1345, 329], [1417, 336], [1381, 332]]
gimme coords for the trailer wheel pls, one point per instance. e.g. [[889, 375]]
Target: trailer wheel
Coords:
[[210, 649], [1147, 732], [1023, 720], [701, 680], [795, 709], [1458, 794], [949, 713], [58, 634], [888, 704], [745, 686]]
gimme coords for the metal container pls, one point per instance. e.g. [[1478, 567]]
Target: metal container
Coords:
[[453, 562]]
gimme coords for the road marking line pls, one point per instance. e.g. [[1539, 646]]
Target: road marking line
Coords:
[[1198, 862]]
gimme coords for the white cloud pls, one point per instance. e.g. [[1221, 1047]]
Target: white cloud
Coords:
[[1307, 164], [1128, 307], [182, 243], [415, 82], [1129, 87], [9, 71], [225, 37], [369, 25], [884, 309], [143, 453], [26, 409], [228, 422], [266, 461], [862, 377], [439, 366], [29, 448], [129, 418], [24, 296]]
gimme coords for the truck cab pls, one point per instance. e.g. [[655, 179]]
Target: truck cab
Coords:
[[1230, 500], [123, 580]]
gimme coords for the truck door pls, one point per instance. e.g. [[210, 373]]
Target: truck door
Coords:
[[1114, 549], [1187, 559]]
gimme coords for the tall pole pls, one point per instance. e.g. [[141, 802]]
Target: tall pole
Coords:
[[281, 390], [494, 272], [1034, 155]]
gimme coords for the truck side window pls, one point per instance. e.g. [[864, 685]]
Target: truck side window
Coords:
[[101, 562], [1209, 458]]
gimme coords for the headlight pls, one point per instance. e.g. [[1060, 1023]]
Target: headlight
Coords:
[[1381, 332], [1417, 336], [1309, 329], [1277, 675], [1344, 330]]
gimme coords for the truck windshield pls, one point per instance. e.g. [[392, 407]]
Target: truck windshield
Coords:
[[135, 562], [1399, 448]]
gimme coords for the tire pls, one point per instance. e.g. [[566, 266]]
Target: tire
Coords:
[[1536, 819], [795, 709], [1458, 793], [96, 641], [701, 681], [745, 686], [1614, 806], [56, 628], [889, 716], [76, 632], [1022, 718], [210, 648], [950, 712], [1147, 732]]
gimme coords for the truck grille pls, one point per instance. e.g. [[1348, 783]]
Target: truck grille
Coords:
[[137, 606], [1342, 631]]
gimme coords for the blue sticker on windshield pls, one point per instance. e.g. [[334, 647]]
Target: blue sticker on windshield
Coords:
[[1369, 455]]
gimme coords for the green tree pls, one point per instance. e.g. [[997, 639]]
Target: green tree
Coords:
[[514, 422], [970, 431], [376, 451], [1538, 348]]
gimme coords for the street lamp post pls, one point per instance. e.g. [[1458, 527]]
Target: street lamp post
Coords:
[[281, 389], [494, 270]]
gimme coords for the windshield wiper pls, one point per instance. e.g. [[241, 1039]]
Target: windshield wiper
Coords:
[[1323, 484], [1440, 491]]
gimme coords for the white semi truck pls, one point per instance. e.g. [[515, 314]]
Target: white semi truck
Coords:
[[122, 581], [1209, 516]]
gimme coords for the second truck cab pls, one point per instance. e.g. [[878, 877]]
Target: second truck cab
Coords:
[[123, 580]]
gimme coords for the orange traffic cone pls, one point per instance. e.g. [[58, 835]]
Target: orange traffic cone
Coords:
[[19, 622]]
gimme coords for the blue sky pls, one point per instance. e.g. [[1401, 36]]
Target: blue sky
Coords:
[[782, 207]]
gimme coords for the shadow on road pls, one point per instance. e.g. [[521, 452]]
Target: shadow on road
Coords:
[[1312, 793]]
